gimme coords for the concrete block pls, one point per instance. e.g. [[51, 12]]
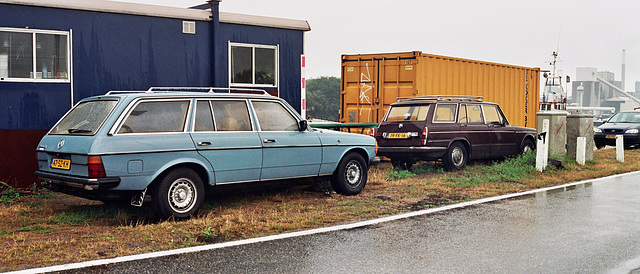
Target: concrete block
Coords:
[[557, 136]]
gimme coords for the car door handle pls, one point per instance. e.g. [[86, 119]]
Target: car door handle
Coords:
[[204, 143], [269, 141]]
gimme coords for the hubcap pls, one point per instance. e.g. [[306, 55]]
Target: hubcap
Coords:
[[182, 195], [352, 173], [457, 156]]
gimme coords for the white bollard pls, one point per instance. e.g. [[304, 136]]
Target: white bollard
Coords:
[[540, 164], [620, 148], [542, 152], [581, 149]]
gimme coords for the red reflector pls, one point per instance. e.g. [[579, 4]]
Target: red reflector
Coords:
[[96, 168]]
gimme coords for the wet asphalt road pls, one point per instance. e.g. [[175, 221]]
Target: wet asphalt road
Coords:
[[586, 228]]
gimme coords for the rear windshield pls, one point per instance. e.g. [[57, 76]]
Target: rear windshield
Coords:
[[85, 118], [625, 117], [407, 113]]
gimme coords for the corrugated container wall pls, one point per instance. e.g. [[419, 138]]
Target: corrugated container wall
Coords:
[[371, 82]]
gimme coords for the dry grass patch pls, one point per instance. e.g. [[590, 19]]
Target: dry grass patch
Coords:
[[42, 228]]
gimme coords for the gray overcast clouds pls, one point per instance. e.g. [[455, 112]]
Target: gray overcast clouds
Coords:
[[588, 33]]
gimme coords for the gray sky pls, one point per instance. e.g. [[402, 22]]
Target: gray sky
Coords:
[[586, 33]]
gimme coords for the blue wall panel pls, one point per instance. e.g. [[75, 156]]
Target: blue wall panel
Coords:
[[32, 105], [110, 52]]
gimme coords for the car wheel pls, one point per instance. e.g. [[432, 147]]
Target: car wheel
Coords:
[[527, 146], [599, 146], [456, 157], [178, 194], [351, 175]]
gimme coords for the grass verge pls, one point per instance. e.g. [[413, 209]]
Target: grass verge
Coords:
[[39, 228]]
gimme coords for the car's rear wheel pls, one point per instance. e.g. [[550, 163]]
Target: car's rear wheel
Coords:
[[351, 175], [456, 157], [178, 194]]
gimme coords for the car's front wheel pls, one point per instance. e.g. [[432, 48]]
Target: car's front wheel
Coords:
[[527, 146], [456, 157], [178, 194], [351, 175]]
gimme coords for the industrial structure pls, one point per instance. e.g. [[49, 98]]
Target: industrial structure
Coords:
[[54, 53], [598, 93]]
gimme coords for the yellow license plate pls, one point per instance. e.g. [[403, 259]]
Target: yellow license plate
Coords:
[[398, 135], [611, 136], [61, 164]]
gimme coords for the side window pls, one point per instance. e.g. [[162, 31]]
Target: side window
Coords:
[[445, 113], [253, 65], [156, 116], [272, 116], [492, 115], [231, 115], [204, 118], [463, 115], [474, 114], [31, 54]]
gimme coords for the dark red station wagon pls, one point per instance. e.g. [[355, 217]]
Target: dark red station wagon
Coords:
[[453, 129]]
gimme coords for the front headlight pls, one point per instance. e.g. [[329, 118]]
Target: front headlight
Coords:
[[597, 130], [632, 131]]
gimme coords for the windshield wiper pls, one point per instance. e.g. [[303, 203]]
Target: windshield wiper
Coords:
[[77, 130]]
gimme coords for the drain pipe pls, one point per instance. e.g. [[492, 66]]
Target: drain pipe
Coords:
[[215, 41]]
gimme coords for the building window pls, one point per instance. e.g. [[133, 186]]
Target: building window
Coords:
[[253, 65], [34, 55]]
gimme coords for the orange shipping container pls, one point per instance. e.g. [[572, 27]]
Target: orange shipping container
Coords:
[[371, 82]]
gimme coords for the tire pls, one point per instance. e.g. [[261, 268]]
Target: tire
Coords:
[[351, 175], [178, 194], [527, 146], [456, 157]]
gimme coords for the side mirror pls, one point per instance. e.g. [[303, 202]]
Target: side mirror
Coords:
[[303, 125]]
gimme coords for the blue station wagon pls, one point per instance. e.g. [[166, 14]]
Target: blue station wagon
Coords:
[[170, 145]]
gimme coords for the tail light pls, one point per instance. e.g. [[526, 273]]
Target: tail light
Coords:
[[376, 133], [425, 131], [96, 168]]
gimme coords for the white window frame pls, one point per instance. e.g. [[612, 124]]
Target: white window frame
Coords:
[[253, 55], [33, 77]]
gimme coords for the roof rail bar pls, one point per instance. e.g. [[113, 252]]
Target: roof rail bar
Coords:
[[194, 89], [441, 97], [206, 89]]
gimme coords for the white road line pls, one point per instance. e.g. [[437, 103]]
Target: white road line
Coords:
[[308, 232]]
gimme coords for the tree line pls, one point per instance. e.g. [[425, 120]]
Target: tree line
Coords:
[[323, 98]]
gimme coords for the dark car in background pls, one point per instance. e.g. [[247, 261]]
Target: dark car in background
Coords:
[[453, 129], [625, 123]]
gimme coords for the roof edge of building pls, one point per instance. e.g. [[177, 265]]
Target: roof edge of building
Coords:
[[163, 11]]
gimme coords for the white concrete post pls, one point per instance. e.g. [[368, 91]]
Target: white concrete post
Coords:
[[581, 149], [620, 148], [542, 152]]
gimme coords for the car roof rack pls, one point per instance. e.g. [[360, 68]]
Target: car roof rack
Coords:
[[195, 89], [441, 97]]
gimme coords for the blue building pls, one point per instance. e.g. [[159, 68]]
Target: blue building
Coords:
[[54, 53]]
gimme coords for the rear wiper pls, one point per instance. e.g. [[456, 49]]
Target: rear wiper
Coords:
[[77, 130]]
